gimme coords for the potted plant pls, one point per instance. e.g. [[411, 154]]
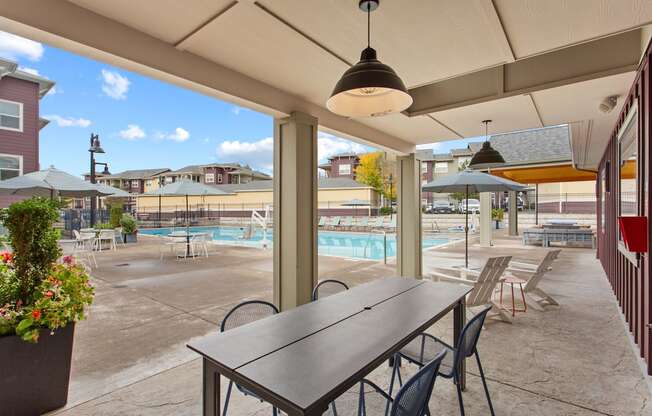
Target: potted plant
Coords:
[[40, 301], [129, 228], [497, 214]]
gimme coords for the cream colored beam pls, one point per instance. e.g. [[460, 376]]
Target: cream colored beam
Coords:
[[513, 213], [67, 26], [485, 219], [408, 231], [295, 209], [595, 59]]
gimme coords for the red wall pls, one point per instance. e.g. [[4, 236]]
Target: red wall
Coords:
[[23, 143], [630, 279]]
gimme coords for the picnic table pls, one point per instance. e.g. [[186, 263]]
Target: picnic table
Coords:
[[302, 359]]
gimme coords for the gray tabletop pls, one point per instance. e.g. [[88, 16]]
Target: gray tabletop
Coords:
[[302, 359]]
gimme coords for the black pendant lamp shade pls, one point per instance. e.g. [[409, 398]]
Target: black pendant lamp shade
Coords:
[[369, 88], [487, 156]]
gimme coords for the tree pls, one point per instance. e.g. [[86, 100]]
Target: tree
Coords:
[[369, 171]]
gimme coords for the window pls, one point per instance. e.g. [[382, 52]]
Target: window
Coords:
[[235, 179], [168, 179], [424, 167], [135, 183], [345, 169], [209, 178], [11, 115], [10, 166], [219, 178], [441, 167], [148, 183], [627, 169]]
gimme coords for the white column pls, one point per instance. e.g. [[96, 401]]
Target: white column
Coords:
[[295, 209], [485, 219], [408, 231], [513, 214]]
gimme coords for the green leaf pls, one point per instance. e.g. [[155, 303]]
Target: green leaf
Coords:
[[24, 325]]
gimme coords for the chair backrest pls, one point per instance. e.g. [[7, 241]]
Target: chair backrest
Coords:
[[469, 337], [247, 312], [487, 280], [107, 234], [364, 221], [542, 269], [412, 399], [335, 221], [76, 234], [322, 221], [347, 221], [328, 287]]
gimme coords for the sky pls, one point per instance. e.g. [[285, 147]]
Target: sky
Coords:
[[142, 122]]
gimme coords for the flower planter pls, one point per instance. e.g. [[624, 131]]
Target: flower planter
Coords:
[[35, 376], [130, 237]]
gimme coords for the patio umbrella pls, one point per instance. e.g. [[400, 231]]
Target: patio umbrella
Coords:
[[185, 188], [48, 183], [112, 192], [471, 181], [355, 203]]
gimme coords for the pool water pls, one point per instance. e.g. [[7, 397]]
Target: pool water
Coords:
[[330, 243]]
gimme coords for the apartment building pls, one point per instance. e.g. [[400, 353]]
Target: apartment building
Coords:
[[436, 165], [341, 165], [20, 123]]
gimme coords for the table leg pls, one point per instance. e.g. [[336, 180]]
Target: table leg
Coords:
[[459, 319], [211, 394], [187, 246], [513, 301]]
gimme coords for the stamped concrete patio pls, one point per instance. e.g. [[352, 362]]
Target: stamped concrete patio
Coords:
[[130, 356]]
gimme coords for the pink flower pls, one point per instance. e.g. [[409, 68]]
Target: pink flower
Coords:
[[69, 260], [7, 257], [49, 294]]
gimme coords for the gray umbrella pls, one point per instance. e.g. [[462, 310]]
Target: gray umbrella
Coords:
[[355, 203], [471, 181], [112, 192], [185, 188], [49, 183]]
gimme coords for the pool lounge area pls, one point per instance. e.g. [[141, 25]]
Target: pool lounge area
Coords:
[[368, 246]]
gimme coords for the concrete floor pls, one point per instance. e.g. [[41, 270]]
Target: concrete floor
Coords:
[[130, 356]]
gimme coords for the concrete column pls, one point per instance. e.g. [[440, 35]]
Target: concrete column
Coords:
[[513, 214], [485, 219], [295, 209], [408, 238]]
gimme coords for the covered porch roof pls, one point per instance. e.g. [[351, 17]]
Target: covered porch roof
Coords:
[[525, 65]]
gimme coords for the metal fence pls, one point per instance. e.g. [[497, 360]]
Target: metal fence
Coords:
[[76, 219]]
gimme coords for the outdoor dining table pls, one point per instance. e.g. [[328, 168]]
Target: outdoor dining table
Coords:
[[187, 236], [302, 359]]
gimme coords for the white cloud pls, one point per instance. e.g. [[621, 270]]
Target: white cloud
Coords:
[[236, 110], [180, 135], [132, 132], [329, 145], [14, 47], [115, 85], [32, 71], [258, 154], [69, 121], [54, 90]]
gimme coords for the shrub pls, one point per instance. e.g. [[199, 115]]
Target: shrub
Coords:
[[128, 224], [35, 291], [105, 226], [386, 210], [34, 241], [115, 215], [497, 214]]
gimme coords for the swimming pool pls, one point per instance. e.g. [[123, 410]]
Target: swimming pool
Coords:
[[330, 243]]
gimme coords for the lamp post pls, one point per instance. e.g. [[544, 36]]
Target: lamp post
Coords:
[[95, 148]]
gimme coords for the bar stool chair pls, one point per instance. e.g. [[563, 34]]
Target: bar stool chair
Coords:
[[425, 346], [241, 314]]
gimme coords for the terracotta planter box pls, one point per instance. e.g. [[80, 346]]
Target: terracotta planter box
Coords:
[[35, 376]]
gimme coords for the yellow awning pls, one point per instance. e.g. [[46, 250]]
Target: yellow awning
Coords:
[[544, 174]]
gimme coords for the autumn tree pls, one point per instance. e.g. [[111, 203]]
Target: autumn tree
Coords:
[[369, 171]]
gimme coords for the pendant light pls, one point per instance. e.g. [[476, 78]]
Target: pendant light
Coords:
[[487, 156], [369, 88]]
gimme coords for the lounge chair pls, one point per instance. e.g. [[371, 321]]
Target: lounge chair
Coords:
[[363, 223], [335, 222], [377, 222], [483, 287], [322, 221], [536, 297]]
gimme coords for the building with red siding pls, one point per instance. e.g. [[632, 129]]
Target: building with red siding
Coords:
[[20, 122]]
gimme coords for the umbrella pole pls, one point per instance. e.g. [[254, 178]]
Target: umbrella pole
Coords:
[[187, 228], [159, 211], [466, 230]]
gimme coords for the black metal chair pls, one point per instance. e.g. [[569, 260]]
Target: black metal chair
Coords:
[[328, 287], [411, 400], [425, 346], [241, 314]]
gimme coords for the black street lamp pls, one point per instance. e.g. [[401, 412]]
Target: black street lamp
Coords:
[[95, 148]]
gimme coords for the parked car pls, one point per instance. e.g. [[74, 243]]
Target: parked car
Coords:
[[474, 206], [440, 207]]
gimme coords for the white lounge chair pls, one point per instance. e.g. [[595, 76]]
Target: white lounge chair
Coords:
[[335, 222], [484, 284], [322, 221], [346, 222], [536, 297]]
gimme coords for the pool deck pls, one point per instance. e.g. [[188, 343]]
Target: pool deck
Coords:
[[130, 356]]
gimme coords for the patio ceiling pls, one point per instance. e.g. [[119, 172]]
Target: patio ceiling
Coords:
[[463, 61]]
